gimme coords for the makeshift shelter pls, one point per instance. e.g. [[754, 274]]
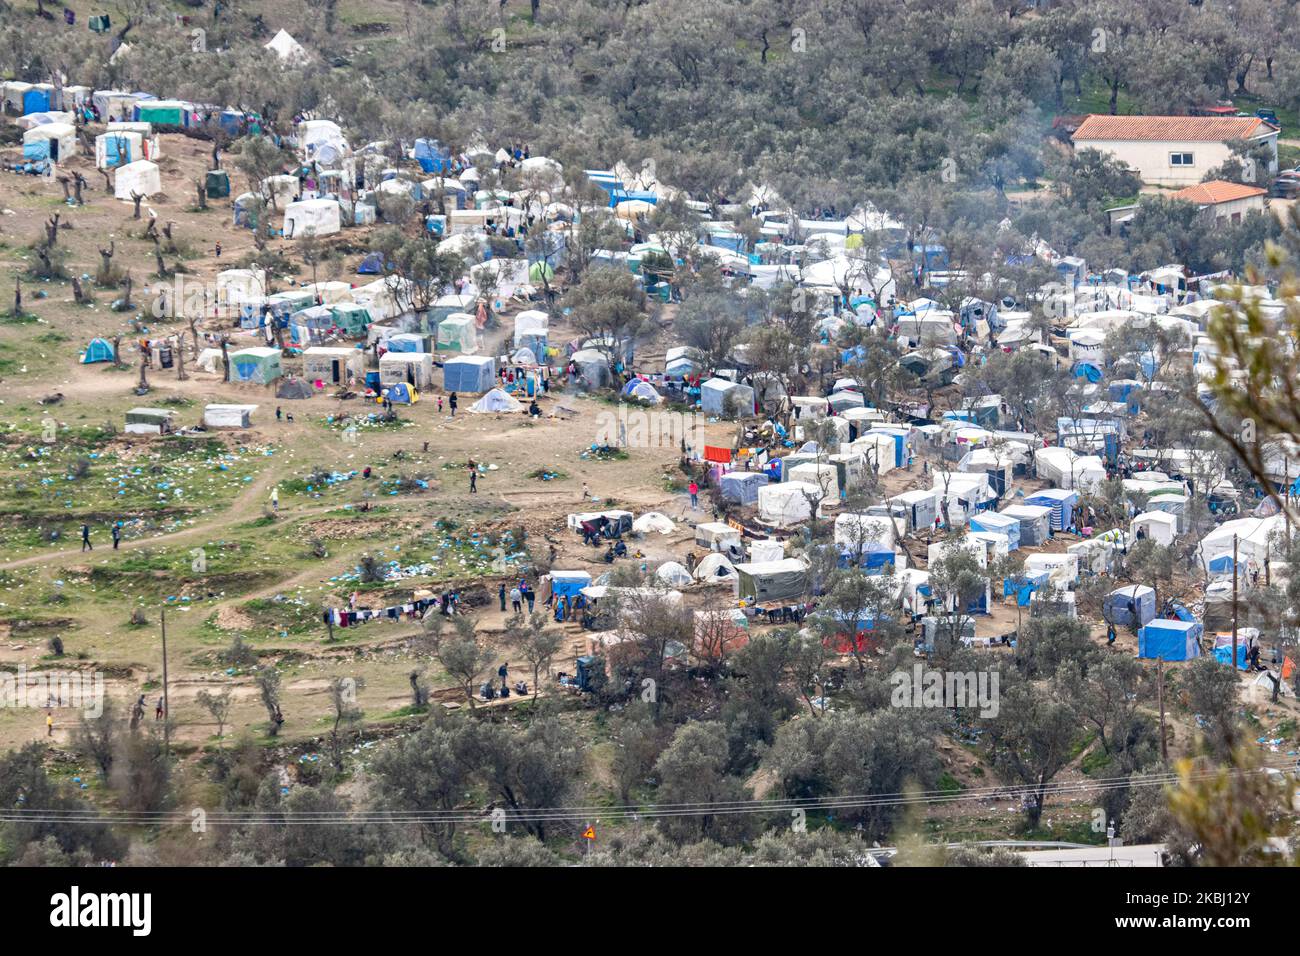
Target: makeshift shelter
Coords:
[[53, 141], [351, 318], [412, 368], [843, 401], [458, 333], [1159, 527], [788, 503], [781, 581], [150, 421], [288, 50], [468, 373], [258, 365], [674, 575], [714, 535], [1170, 640], [997, 523], [920, 507], [140, 177], [1130, 606], [715, 569], [593, 366], [496, 401], [823, 476], [317, 217], [723, 398], [216, 184], [741, 487], [228, 416], [1061, 501], [407, 342], [333, 365], [640, 390], [163, 112], [531, 330], [399, 393], [878, 451], [1035, 523], [294, 389], [654, 521], [99, 350]]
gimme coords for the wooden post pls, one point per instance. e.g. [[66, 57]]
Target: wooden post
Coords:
[[1160, 685], [1234, 604], [167, 704]]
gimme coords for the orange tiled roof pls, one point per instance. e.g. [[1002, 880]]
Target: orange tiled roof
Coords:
[[1215, 129], [1217, 191]]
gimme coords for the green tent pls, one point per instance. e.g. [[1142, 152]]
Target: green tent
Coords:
[[351, 318], [162, 112], [217, 184], [540, 272]]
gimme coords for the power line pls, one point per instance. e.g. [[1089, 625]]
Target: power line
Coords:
[[582, 814]]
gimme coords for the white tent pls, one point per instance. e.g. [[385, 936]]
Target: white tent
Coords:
[[496, 401], [823, 476], [237, 286], [674, 574], [1159, 526], [118, 148], [715, 569], [140, 177], [289, 50], [654, 521], [788, 503], [58, 141], [318, 217], [228, 416]]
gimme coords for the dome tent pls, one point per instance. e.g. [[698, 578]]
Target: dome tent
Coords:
[[642, 391], [496, 401], [654, 521], [400, 393], [99, 350], [674, 575]]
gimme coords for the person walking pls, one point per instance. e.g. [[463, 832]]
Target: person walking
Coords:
[[516, 600], [85, 538], [49, 724], [279, 414], [275, 498], [501, 593], [530, 596], [694, 490], [158, 711], [117, 534], [452, 402], [473, 482]]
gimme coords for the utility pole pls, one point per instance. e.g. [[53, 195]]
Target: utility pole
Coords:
[[1160, 688], [1234, 603], [167, 704]]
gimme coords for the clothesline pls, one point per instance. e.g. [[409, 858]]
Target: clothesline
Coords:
[[343, 617]]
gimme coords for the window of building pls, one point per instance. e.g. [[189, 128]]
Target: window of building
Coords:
[[1181, 159]]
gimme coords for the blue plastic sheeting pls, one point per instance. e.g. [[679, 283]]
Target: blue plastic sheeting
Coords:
[[1171, 640], [1223, 654]]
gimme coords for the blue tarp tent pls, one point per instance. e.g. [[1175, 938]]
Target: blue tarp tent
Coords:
[[1062, 503], [1132, 606], [399, 393], [1087, 370], [1223, 654], [432, 157], [99, 350], [875, 557], [742, 487], [569, 583], [38, 100], [1172, 640], [469, 373], [1024, 585], [999, 524], [372, 264]]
